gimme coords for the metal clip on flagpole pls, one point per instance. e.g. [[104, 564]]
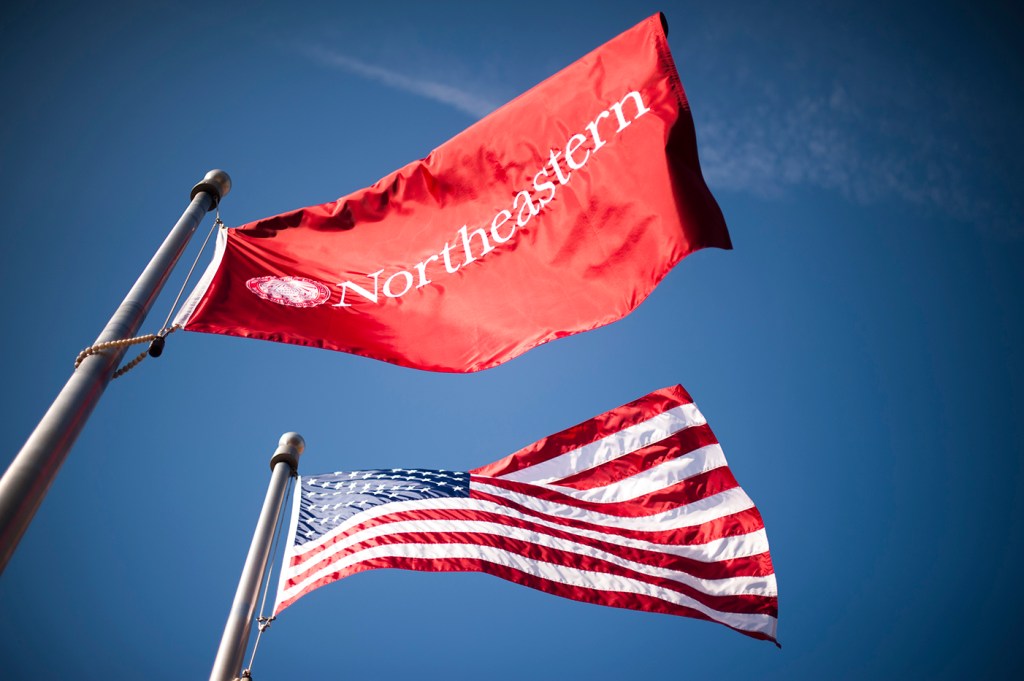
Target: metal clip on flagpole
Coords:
[[33, 470], [284, 464]]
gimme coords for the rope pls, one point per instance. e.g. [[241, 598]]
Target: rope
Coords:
[[122, 343], [156, 340], [217, 222], [263, 623]]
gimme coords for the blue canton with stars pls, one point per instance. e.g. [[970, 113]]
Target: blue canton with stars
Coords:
[[331, 499]]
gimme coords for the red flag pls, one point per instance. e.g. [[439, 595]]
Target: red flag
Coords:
[[556, 214]]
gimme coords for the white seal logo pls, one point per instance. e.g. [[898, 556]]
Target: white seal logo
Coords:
[[291, 291]]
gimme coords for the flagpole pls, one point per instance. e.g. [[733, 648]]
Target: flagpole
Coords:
[[284, 464], [33, 470]]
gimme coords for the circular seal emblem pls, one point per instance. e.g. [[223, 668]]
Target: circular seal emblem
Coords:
[[291, 291]]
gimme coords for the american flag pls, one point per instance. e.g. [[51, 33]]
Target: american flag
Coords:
[[635, 508]]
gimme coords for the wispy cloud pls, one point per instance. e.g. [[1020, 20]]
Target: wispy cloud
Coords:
[[872, 118], [452, 96], [838, 116], [869, 154]]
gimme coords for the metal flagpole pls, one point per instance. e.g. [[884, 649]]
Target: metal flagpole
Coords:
[[33, 470], [285, 463]]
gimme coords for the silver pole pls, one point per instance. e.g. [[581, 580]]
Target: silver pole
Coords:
[[33, 470], [285, 463]]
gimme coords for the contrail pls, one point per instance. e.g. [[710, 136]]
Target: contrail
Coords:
[[438, 92]]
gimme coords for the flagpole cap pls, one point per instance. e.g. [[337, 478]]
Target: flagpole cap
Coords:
[[217, 184], [289, 449]]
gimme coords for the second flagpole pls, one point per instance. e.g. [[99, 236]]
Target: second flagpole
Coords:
[[285, 463]]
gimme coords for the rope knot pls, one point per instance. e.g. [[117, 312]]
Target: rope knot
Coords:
[[156, 340], [156, 348]]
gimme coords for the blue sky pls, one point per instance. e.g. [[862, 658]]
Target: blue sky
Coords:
[[857, 354]]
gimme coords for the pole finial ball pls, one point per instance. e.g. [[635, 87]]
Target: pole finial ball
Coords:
[[217, 184], [292, 440], [289, 449]]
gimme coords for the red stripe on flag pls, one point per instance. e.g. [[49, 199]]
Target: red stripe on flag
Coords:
[[758, 565], [681, 493], [741, 522], [615, 599], [736, 603], [735, 527], [674, 446], [589, 431]]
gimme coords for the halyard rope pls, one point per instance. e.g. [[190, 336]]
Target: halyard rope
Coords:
[[125, 342], [213, 228], [153, 338]]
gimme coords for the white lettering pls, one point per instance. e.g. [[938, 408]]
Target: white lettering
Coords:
[[592, 127], [448, 260], [640, 109], [528, 204], [562, 179], [545, 184], [372, 297], [408, 284], [503, 216], [572, 145], [421, 267], [466, 245]]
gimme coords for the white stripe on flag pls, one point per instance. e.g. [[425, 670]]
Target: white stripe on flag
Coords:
[[730, 586], [561, 574], [725, 548], [689, 515], [611, 447], [653, 479]]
